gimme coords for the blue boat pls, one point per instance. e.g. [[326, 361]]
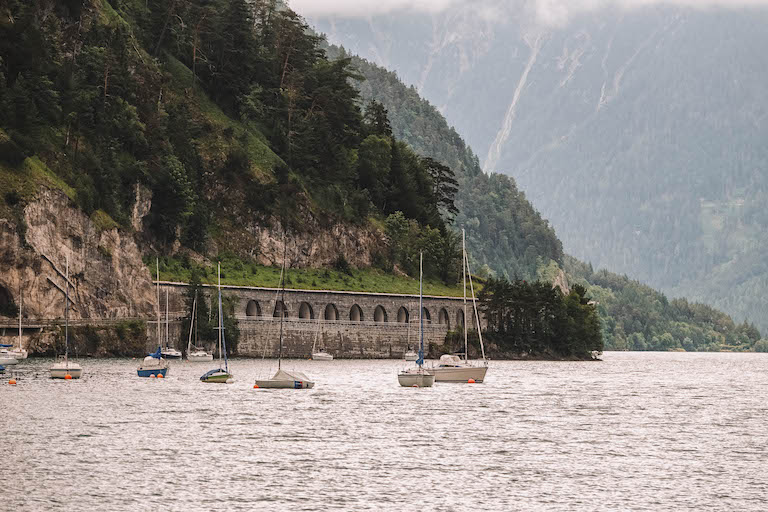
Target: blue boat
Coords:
[[2, 369], [154, 365]]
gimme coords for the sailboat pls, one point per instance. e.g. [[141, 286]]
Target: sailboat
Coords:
[[154, 365], [63, 369], [284, 379], [19, 353], [450, 367], [168, 352], [220, 375], [319, 355], [418, 377], [196, 354]]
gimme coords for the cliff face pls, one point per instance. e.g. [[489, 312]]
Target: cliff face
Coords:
[[107, 276]]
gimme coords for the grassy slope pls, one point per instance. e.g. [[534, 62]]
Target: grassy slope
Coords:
[[235, 272]]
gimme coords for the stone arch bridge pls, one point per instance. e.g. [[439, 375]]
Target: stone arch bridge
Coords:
[[346, 324]]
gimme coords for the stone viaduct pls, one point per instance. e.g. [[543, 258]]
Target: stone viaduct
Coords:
[[346, 324]]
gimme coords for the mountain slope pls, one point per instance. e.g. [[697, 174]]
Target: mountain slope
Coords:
[[638, 133]]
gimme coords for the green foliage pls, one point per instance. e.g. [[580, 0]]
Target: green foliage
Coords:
[[503, 229], [535, 319], [636, 317], [235, 271]]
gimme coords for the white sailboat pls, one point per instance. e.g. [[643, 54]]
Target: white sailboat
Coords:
[[195, 353], [221, 375], [418, 377], [319, 355], [284, 379], [63, 368], [168, 352], [19, 353], [451, 368]]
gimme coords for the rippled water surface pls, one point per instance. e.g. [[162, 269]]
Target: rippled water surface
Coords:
[[640, 431]]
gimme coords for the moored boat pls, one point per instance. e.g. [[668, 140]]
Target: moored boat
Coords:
[[451, 368], [411, 355], [419, 376], [284, 379], [196, 354], [221, 375], [64, 368], [154, 365]]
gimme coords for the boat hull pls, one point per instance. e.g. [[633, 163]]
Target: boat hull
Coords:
[[322, 356], [217, 378], [411, 356], [284, 384], [419, 380], [61, 372], [199, 358], [149, 372], [19, 355], [171, 354], [459, 374]]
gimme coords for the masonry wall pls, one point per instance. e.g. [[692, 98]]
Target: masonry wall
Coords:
[[346, 324]]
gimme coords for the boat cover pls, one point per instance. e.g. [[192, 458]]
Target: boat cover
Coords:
[[156, 354], [290, 375]]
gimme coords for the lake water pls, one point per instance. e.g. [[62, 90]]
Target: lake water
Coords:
[[639, 431]]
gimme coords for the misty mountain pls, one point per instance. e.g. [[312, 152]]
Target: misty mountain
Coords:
[[640, 134]]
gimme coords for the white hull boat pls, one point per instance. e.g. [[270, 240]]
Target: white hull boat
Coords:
[[322, 356], [411, 355], [6, 360], [459, 373], [416, 378], [61, 369], [200, 356], [170, 353], [18, 354], [285, 380]]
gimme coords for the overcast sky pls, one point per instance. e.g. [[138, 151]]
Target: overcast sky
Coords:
[[548, 11]]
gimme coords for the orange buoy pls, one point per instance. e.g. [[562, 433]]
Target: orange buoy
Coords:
[[67, 377], [151, 375], [12, 382], [159, 375], [255, 386], [471, 381]]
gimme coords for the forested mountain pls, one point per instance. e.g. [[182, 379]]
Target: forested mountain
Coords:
[[639, 133], [504, 231], [227, 111], [633, 316]]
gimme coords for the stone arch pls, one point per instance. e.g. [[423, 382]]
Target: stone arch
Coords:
[[252, 308], [402, 315], [425, 314], [380, 314], [460, 319], [279, 308], [442, 318], [331, 312], [356, 313], [305, 311]]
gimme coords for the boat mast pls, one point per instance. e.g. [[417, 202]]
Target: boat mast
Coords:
[[157, 267], [420, 362], [222, 343], [282, 308], [21, 303], [166, 318], [191, 324], [477, 316], [464, 270], [66, 316]]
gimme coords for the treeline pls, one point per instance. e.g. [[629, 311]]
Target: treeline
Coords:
[[637, 317], [222, 108], [504, 231], [537, 319]]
